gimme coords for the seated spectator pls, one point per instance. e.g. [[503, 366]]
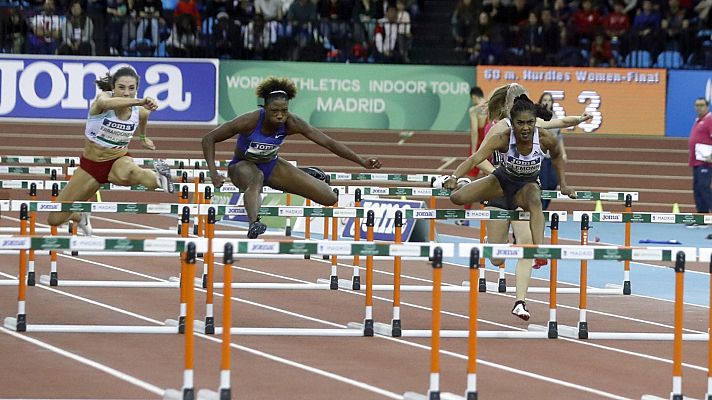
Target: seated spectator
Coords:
[[148, 22], [388, 41], [77, 32], [404, 34], [601, 54], [532, 41], [675, 25], [213, 7], [14, 32], [190, 8], [271, 10], [226, 36], [366, 14], [646, 26], [336, 22], [569, 54], [586, 21], [463, 23], [616, 23], [118, 17], [260, 38], [46, 29], [244, 12], [302, 21], [550, 37], [183, 41]]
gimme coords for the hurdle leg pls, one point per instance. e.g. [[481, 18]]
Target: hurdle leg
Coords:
[[553, 330], [21, 322], [626, 263], [471, 391], [583, 325], [708, 395], [482, 282], [334, 278], [307, 227], [31, 256], [53, 279], [368, 320], [677, 329], [434, 389], [210, 273], [356, 276], [288, 220], [396, 328]]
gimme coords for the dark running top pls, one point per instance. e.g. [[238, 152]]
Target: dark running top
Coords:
[[259, 147]]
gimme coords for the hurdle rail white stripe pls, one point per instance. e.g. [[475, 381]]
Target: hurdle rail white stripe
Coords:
[[644, 217], [347, 285], [386, 330], [330, 332], [493, 287], [156, 232], [11, 323], [45, 280]]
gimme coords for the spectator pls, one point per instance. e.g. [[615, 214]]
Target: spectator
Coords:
[[404, 34], [646, 28], [213, 7], [245, 12], [302, 22], [14, 32], [183, 41], [674, 26], [335, 22], [463, 23], [616, 23], [190, 8], [270, 10], [78, 32], [388, 39], [226, 36], [569, 54], [532, 40], [487, 48], [148, 12], [601, 54], [118, 17], [365, 16], [46, 30], [550, 37], [586, 21], [561, 13], [260, 38]]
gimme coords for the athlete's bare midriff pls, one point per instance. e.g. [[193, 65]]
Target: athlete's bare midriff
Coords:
[[95, 152]]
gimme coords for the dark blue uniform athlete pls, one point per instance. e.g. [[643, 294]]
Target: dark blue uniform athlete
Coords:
[[256, 161]]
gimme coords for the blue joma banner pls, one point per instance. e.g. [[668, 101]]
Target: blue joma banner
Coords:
[[52, 88]]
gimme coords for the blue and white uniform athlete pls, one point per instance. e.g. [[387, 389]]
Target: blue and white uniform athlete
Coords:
[[256, 162], [522, 146]]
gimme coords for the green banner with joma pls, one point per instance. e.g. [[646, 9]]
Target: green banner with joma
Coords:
[[357, 96]]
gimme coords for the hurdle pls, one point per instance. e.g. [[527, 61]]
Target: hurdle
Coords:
[[188, 390], [23, 243], [434, 379]]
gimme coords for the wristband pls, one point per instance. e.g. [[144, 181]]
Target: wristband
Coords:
[[142, 136], [453, 177]]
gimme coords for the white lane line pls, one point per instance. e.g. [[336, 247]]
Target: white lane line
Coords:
[[90, 363], [260, 353]]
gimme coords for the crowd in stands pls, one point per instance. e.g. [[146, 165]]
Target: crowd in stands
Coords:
[[632, 33], [644, 33]]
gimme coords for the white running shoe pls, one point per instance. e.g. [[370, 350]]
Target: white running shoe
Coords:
[[520, 310], [84, 223], [439, 181], [163, 175]]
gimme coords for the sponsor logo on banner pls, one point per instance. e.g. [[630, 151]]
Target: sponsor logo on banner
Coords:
[[344, 213], [379, 177], [340, 176], [52, 88], [477, 214], [160, 208], [104, 207], [507, 252], [647, 254], [603, 217], [384, 219], [290, 212], [235, 211], [87, 243], [160, 245], [13, 184], [123, 245], [420, 214], [707, 219], [49, 207], [15, 243], [663, 218], [378, 190], [263, 247], [577, 254], [608, 196], [334, 248], [422, 191], [404, 250], [50, 243]]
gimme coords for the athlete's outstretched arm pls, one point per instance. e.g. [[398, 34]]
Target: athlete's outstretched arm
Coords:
[[298, 125], [496, 138], [565, 122], [552, 143], [243, 123], [105, 101]]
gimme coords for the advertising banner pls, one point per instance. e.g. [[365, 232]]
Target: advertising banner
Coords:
[[384, 225], [683, 88], [357, 96], [622, 101], [60, 89]]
